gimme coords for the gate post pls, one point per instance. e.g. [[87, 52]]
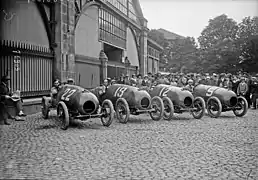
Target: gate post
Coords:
[[103, 69]]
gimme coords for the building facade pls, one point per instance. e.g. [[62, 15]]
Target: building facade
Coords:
[[154, 50], [86, 40], [117, 29]]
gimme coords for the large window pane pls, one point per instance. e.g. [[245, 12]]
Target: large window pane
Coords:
[[114, 29]]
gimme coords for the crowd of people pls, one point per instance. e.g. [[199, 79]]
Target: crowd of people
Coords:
[[243, 84]]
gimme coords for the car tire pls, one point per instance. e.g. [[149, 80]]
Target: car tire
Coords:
[[210, 104], [122, 108], [158, 105], [107, 117], [168, 108], [45, 108], [198, 103], [244, 106], [63, 115]]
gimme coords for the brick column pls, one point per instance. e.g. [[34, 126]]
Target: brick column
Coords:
[[65, 51], [103, 70], [143, 47]]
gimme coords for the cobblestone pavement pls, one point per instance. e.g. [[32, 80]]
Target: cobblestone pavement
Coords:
[[183, 148]]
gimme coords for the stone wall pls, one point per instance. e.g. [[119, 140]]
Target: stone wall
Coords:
[[65, 51]]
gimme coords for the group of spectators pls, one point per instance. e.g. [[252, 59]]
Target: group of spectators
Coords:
[[243, 84]]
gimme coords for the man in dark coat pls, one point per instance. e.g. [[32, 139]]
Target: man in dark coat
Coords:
[[254, 91], [8, 99]]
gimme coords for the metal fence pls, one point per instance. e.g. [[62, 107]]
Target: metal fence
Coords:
[[29, 66]]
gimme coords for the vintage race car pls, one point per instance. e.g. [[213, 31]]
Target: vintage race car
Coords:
[[177, 100], [130, 100], [220, 100], [74, 102]]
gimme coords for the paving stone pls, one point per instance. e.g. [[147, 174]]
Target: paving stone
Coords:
[[221, 148]]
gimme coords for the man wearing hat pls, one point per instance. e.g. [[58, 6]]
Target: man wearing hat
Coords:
[[145, 81], [127, 80], [6, 98], [133, 80], [70, 81]]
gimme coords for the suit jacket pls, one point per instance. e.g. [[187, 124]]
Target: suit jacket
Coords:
[[4, 90]]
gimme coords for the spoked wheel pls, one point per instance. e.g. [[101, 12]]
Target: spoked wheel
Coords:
[[108, 113], [168, 108], [214, 107], [158, 106], [199, 108], [122, 110], [241, 107], [45, 109], [63, 115]]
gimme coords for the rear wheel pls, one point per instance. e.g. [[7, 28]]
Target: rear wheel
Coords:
[[63, 115], [122, 110], [241, 107], [108, 113], [214, 107], [199, 108], [158, 106], [168, 108], [45, 109]]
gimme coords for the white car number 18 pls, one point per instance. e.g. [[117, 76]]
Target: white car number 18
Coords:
[[120, 91]]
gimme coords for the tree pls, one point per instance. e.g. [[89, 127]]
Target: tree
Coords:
[[218, 29], [216, 44], [247, 43], [157, 36]]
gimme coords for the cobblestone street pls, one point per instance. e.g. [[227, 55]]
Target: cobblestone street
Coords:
[[183, 148]]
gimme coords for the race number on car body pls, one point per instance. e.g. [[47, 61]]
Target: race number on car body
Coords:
[[67, 94], [164, 92], [120, 91], [211, 90]]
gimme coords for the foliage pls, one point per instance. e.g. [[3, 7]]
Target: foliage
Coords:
[[224, 46]]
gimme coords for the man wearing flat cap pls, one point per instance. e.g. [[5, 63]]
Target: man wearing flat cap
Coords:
[[8, 99]]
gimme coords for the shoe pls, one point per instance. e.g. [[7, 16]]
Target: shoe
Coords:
[[18, 118], [22, 115], [6, 123]]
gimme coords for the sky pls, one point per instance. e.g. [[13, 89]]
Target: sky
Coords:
[[189, 17]]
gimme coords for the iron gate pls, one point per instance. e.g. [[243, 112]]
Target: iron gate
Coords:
[[29, 66]]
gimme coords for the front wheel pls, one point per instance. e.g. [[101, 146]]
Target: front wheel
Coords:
[[168, 108], [198, 108], [63, 115], [108, 113], [214, 107], [122, 110], [241, 107], [158, 106]]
